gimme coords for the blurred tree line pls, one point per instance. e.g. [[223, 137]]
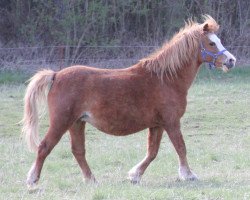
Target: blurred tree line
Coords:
[[114, 22]]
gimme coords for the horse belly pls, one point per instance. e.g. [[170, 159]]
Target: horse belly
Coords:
[[114, 125]]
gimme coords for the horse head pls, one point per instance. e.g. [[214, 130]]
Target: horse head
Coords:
[[212, 51]]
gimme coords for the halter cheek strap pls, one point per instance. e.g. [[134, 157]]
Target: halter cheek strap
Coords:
[[205, 53]]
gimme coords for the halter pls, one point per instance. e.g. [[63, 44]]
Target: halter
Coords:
[[205, 53]]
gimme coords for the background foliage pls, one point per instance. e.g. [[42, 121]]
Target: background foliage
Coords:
[[102, 22]]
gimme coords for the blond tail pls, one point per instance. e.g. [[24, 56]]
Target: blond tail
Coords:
[[35, 95]]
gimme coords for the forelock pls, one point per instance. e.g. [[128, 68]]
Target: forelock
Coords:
[[213, 26]]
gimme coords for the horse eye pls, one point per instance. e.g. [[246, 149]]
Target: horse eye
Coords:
[[212, 43]]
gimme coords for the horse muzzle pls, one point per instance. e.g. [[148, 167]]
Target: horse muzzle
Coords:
[[229, 64]]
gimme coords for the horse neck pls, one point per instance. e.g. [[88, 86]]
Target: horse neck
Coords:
[[183, 80], [185, 76]]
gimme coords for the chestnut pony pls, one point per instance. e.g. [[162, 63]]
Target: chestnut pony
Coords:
[[150, 94]]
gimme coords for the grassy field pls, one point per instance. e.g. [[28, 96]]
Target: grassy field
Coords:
[[216, 129]]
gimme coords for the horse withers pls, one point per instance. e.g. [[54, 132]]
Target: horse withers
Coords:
[[150, 94]]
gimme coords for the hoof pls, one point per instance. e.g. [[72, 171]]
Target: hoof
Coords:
[[134, 181], [32, 187], [193, 177], [32, 179], [32, 183], [134, 177], [91, 180], [187, 175]]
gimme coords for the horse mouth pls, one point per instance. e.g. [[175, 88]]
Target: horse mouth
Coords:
[[225, 68]]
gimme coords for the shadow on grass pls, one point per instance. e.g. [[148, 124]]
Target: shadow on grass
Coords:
[[194, 185]]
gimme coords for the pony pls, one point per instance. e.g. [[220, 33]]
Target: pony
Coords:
[[150, 94]]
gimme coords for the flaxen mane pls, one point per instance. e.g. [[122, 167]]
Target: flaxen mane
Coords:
[[177, 52]]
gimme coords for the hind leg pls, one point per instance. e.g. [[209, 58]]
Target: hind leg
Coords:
[[78, 148], [51, 139], [154, 139]]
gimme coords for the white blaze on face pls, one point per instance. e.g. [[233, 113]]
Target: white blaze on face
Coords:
[[220, 47]]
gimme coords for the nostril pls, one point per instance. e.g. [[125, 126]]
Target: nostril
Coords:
[[231, 60], [231, 63]]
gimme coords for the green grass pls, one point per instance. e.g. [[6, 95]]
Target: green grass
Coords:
[[216, 128], [13, 77]]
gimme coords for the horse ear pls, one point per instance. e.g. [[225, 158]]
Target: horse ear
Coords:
[[206, 28]]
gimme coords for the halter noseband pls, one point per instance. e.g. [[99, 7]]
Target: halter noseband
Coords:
[[205, 53]]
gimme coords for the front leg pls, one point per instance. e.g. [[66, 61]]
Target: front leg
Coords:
[[176, 138], [154, 139]]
